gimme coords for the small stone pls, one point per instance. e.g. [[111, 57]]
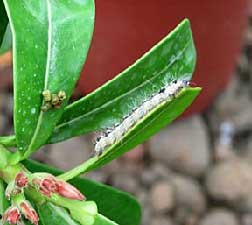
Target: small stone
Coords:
[[185, 216], [244, 205], [146, 215], [162, 197], [183, 146], [162, 220], [148, 177], [233, 105], [70, 153], [125, 182], [156, 172], [230, 180], [246, 219], [188, 194], [220, 217], [98, 176], [161, 171]]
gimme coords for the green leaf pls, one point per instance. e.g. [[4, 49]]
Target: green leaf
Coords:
[[112, 203], [50, 214], [3, 23], [7, 41], [172, 58], [53, 215], [101, 220], [145, 128], [50, 43], [8, 141]]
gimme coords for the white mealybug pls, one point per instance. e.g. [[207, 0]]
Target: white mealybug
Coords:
[[116, 134]]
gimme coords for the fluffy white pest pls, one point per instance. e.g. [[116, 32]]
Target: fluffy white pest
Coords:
[[114, 135]]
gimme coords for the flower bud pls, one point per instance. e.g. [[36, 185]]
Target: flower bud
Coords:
[[29, 212], [46, 185], [66, 190], [21, 180], [11, 215]]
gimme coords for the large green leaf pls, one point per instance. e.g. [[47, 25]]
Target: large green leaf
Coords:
[[50, 43], [112, 203], [145, 128], [172, 58]]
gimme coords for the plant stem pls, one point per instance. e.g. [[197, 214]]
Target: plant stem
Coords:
[[4, 157], [77, 170]]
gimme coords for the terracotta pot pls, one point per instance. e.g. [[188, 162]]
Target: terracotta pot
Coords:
[[124, 30]]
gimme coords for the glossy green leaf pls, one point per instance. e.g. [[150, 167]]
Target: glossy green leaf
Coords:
[[53, 215], [144, 129], [112, 203], [50, 43], [3, 24], [101, 220], [50, 214], [172, 58], [8, 141]]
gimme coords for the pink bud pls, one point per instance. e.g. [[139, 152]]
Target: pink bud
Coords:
[[21, 180], [50, 184], [29, 213], [68, 191], [46, 185], [11, 215]]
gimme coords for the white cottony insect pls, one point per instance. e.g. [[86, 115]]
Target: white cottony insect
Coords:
[[116, 134]]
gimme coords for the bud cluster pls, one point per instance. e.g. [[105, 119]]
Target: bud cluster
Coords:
[[46, 184], [13, 214], [15, 187]]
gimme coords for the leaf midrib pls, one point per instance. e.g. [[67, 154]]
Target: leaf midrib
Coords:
[[93, 162], [76, 119], [49, 49]]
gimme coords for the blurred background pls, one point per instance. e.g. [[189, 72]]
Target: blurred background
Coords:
[[197, 171]]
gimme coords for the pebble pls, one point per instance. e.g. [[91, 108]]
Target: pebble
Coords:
[[126, 182], [156, 172], [234, 105], [230, 180], [219, 217], [183, 146], [185, 216], [73, 151], [162, 220], [246, 219], [189, 194], [162, 197]]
